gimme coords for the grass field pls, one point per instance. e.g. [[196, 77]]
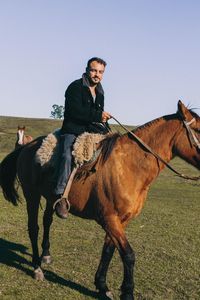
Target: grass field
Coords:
[[165, 237]]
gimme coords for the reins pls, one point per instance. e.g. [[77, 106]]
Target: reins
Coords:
[[157, 155]]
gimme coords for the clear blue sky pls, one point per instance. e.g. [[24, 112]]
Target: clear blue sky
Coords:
[[152, 48]]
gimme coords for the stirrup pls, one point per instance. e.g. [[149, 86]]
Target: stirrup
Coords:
[[67, 189], [67, 203]]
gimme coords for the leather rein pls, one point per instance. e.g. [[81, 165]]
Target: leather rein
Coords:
[[192, 138]]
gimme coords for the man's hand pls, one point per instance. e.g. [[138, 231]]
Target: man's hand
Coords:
[[105, 116]]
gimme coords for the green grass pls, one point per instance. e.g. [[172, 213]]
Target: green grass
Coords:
[[165, 237]]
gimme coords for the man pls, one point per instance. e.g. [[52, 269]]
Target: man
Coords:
[[84, 109]]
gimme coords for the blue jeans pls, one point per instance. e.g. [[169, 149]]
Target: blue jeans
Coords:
[[64, 169]]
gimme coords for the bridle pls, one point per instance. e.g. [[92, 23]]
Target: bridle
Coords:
[[191, 134], [192, 138]]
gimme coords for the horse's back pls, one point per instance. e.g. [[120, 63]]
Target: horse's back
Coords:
[[27, 167]]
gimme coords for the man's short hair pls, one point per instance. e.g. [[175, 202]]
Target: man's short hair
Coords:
[[99, 60]]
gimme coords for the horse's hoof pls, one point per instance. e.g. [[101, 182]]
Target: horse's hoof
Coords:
[[38, 274], [109, 295], [106, 295], [46, 259]]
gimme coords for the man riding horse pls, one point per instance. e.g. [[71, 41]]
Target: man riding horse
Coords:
[[84, 112]]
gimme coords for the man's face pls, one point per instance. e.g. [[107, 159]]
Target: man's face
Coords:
[[95, 72]]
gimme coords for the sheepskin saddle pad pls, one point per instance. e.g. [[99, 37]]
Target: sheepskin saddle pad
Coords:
[[84, 149]]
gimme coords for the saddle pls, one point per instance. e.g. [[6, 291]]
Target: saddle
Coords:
[[84, 149]]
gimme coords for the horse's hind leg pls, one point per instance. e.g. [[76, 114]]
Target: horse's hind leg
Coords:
[[47, 221], [33, 200], [100, 276]]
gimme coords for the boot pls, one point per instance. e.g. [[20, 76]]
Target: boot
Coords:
[[61, 209]]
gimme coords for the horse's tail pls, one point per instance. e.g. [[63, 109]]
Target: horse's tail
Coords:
[[8, 173]]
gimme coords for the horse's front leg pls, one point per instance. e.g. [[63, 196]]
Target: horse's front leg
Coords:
[[47, 221], [116, 232], [100, 276], [128, 258]]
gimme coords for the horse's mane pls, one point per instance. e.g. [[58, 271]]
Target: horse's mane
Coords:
[[107, 145], [147, 125], [109, 142], [166, 118], [157, 120]]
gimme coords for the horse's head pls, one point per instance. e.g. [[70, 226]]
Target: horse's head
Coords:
[[21, 128], [187, 143], [20, 134]]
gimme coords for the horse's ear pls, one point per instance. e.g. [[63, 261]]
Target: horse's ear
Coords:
[[24, 127], [184, 112]]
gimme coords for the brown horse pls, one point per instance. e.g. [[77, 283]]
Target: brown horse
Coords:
[[22, 139], [113, 190]]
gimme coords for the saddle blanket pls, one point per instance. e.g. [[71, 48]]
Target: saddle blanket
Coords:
[[84, 148]]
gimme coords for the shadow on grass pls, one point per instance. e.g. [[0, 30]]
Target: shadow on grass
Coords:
[[11, 255], [52, 277]]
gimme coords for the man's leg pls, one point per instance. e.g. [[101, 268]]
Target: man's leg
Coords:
[[64, 171]]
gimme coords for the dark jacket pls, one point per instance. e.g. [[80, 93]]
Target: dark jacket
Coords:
[[80, 109]]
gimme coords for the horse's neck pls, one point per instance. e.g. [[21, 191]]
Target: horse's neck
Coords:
[[141, 165], [159, 136]]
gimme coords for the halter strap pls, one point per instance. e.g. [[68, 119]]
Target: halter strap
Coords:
[[191, 134], [190, 122]]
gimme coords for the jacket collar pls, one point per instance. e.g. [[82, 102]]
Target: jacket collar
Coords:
[[86, 83]]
